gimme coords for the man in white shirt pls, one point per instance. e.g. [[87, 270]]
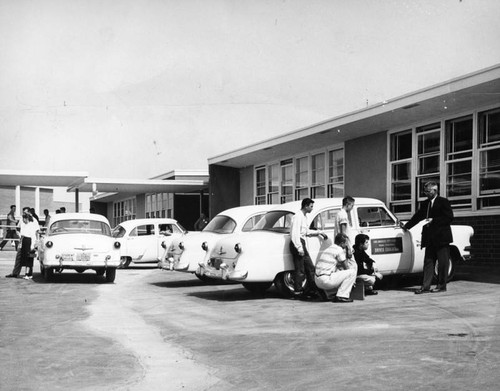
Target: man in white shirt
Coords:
[[343, 222], [304, 267]]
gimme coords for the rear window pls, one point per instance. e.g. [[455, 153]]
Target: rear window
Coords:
[[118, 232], [79, 226], [221, 225], [276, 221]]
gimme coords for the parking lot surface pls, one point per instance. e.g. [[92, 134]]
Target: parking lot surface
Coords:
[[159, 330]]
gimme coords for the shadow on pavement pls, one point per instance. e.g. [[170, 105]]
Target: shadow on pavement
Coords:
[[71, 278]]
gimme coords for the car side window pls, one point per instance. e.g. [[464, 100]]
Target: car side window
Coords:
[[144, 230], [325, 220], [250, 223], [374, 217]]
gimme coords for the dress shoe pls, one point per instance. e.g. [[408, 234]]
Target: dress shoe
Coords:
[[438, 289], [420, 291], [11, 276], [338, 299], [371, 292]]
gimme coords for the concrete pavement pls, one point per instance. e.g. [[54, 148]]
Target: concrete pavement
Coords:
[[154, 329]]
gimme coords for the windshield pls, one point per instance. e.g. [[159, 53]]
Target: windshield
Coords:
[[79, 226], [276, 221], [221, 224]]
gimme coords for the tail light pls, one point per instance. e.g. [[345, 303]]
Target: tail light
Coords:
[[49, 244], [204, 246], [117, 245]]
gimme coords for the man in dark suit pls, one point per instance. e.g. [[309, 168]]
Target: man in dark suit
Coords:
[[436, 236]]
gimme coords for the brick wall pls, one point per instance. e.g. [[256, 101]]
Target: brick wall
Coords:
[[486, 240]]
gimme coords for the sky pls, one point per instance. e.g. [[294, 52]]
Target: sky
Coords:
[[137, 88]]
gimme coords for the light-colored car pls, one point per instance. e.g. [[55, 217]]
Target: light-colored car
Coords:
[[79, 241], [144, 240], [187, 252], [262, 256]]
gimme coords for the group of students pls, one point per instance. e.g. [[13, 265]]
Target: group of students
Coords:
[[336, 271], [26, 232], [338, 267]]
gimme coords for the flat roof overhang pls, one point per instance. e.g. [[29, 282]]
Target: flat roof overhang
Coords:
[[479, 89], [107, 190], [40, 178]]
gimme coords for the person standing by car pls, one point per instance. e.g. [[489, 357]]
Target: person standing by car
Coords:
[[334, 271], [47, 218], [11, 233], [18, 264], [304, 267], [436, 237], [29, 235]]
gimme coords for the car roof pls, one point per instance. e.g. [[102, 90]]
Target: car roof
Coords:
[[78, 216], [155, 220], [322, 203], [245, 211]]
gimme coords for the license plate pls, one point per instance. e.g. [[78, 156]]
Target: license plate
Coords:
[[83, 257], [215, 263], [67, 257]]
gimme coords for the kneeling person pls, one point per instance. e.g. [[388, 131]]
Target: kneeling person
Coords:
[[366, 271], [335, 272]]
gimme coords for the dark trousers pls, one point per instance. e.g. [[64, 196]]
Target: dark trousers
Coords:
[[17, 264], [304, 269], [442, 255], [11, 234]]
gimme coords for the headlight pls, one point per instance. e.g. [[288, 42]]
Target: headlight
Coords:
[[181, 245], [49, 244], [237, 248], [117, 244], [204, 246]]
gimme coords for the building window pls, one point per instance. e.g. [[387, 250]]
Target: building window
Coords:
[[336, 173], [286, 184], [400, 165], [318, 176], [124, 210], [301, 178], [273, 184], [459, 162], [429, 148], [260, 186], [461, 154], [489, 159]]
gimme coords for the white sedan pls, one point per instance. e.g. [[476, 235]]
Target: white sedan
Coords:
[[262, 256], [186, 253], [144, 240], [79, 241]]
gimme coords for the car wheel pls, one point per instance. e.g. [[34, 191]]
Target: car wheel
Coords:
[[257, 287], [110, 274], [451, 270], [100, 272], [284, 283], [125, 262]]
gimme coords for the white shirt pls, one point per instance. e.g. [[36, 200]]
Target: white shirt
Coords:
[[299, 229], [342, 218], [331, 260], [29, 230]]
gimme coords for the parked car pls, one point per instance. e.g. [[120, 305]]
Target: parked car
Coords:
[[79, 241], [187, 252], [262, 257], [142, 239]]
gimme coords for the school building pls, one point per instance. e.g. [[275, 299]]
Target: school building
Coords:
[[448, 133]]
